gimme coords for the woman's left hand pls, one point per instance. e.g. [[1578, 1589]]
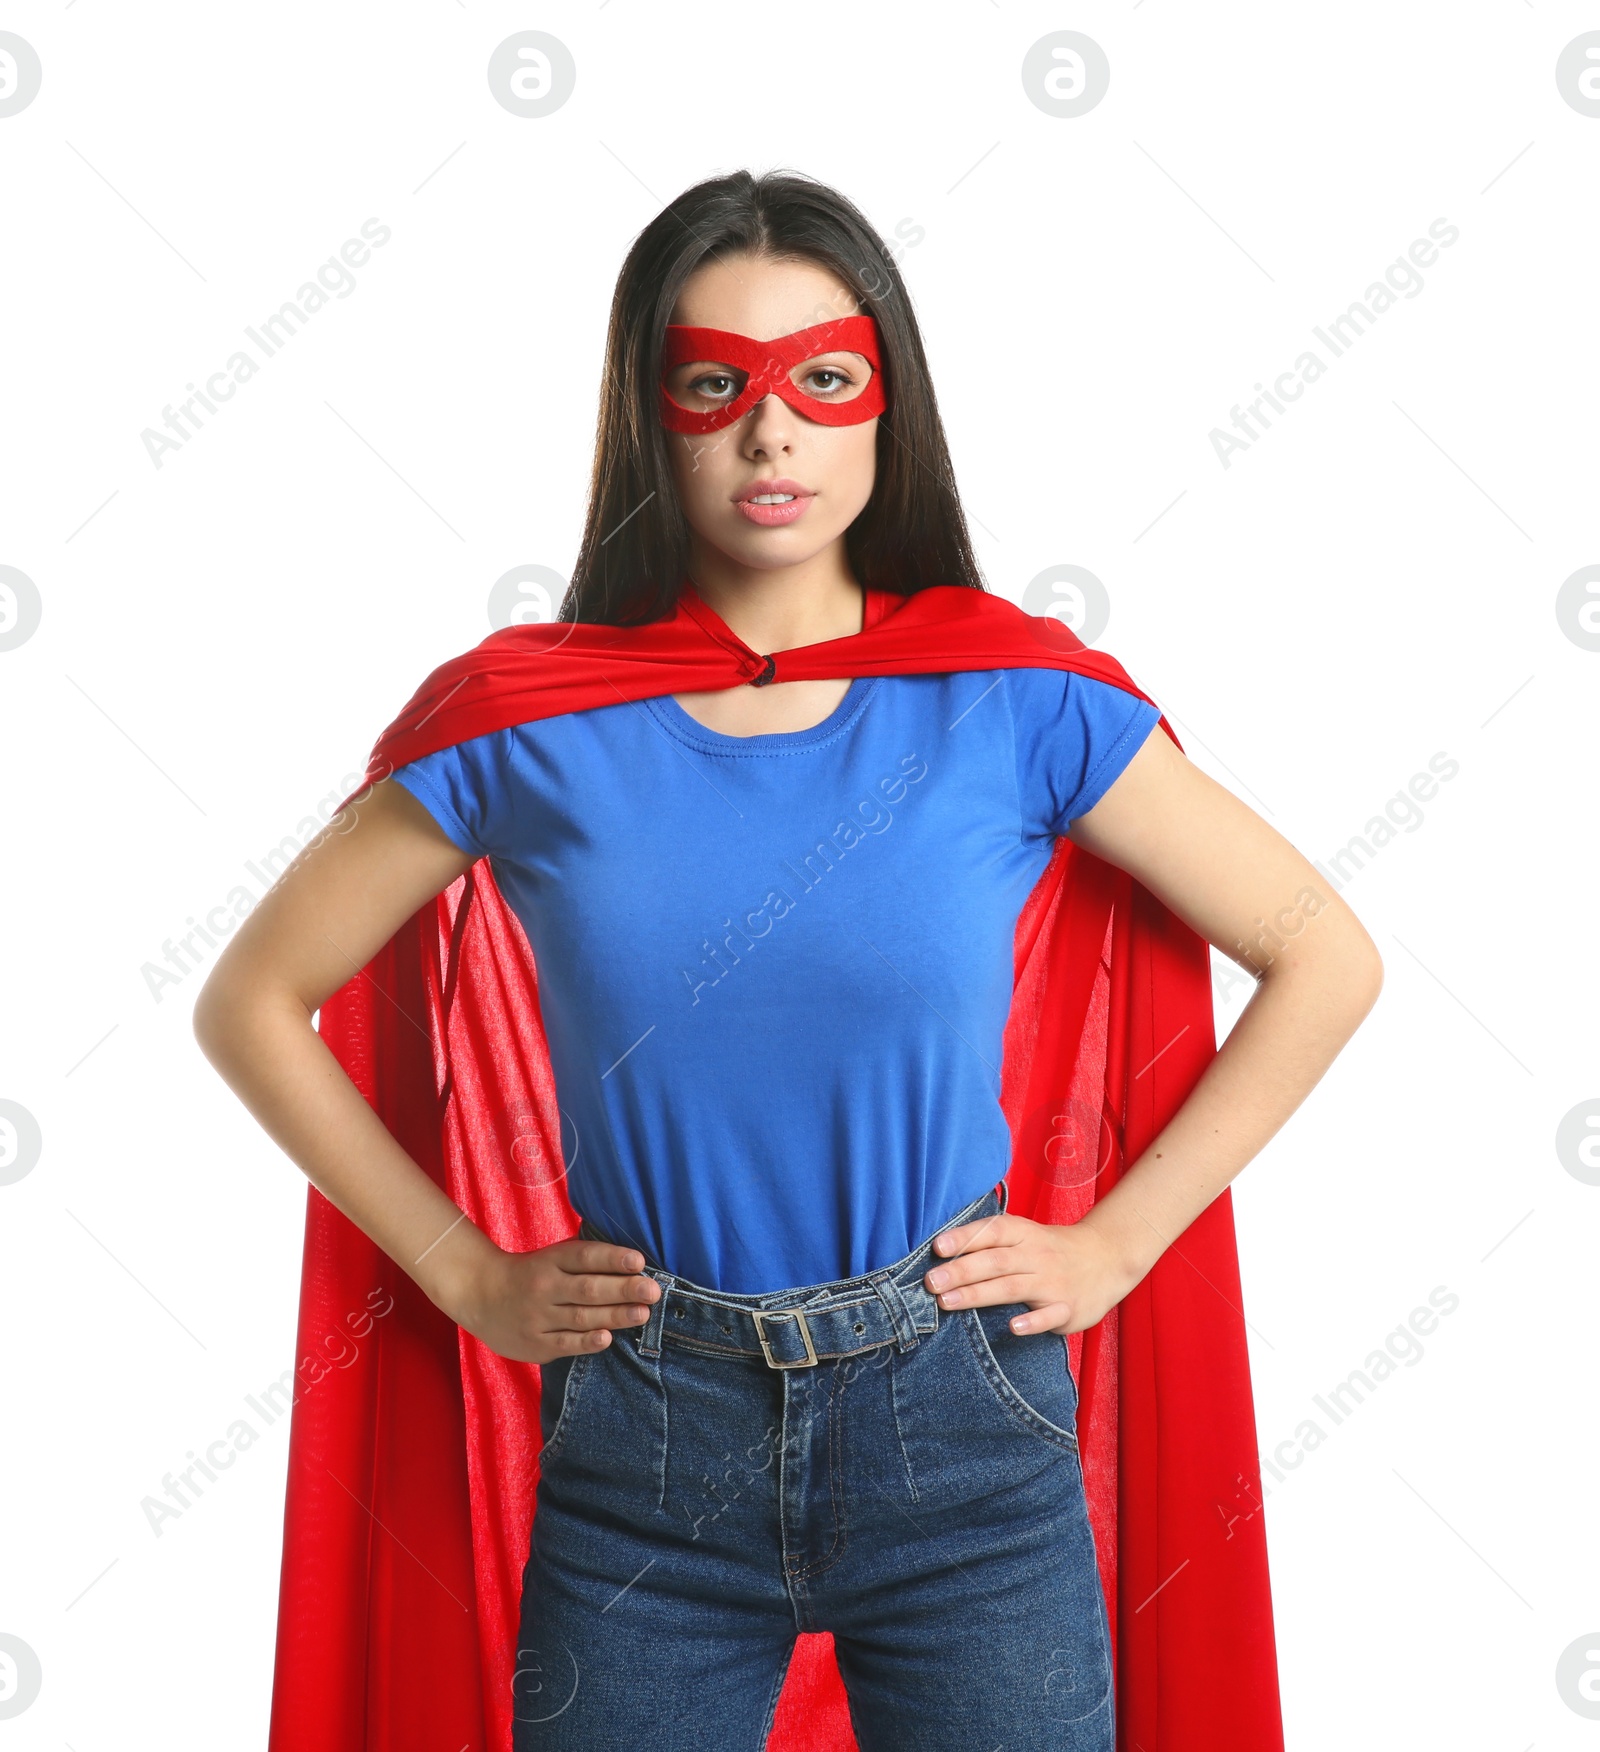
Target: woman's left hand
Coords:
[[1066, 1273]]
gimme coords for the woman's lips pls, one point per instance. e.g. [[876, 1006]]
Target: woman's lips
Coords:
[[774, 516]]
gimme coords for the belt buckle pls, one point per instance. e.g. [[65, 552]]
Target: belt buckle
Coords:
[[760, 1314]]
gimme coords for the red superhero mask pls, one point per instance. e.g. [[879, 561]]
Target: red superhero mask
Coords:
[[770, 369]]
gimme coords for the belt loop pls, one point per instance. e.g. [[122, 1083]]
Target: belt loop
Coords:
[[893, 1299], [647, 1338]]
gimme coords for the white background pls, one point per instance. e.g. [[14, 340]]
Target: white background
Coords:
[[1372, 582]]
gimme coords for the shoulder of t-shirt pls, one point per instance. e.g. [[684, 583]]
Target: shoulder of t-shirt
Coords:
[[1074, 735], [1044, 686], [461, 786]]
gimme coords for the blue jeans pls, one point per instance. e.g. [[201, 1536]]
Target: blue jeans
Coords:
[[708, 1492]]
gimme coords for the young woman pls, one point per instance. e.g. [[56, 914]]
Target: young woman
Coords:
[[777, 1049]]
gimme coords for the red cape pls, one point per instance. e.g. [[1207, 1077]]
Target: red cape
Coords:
[[414, 1450]]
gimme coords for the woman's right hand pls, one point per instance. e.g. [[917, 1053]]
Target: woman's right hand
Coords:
[[556, 1301]]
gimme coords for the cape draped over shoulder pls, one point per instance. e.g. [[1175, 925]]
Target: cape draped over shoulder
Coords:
[[414, 1450]]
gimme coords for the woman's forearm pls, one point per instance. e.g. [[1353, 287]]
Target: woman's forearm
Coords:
[[1303, 1011], [266, 1049]]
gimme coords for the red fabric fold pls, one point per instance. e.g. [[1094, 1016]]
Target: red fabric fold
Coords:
[[412, 1469]]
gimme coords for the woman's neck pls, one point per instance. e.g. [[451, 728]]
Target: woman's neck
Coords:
[[775, 611]]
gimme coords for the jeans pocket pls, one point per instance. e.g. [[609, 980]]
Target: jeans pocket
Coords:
[[560, 1384], [1027, 1372]]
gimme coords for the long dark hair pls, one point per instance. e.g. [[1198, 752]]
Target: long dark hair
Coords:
[[635, 549]]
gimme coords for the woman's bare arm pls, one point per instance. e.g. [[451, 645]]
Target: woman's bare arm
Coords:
[[1251, 894], [1244, 888], [339, 902]]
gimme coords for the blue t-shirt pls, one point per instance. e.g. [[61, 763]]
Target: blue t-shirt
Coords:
[[774, 971]]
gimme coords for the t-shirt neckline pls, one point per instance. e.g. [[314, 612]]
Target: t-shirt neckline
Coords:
[[689, 728]]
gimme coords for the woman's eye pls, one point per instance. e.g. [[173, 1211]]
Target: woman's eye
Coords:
[[714, 386], [841, 379]]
